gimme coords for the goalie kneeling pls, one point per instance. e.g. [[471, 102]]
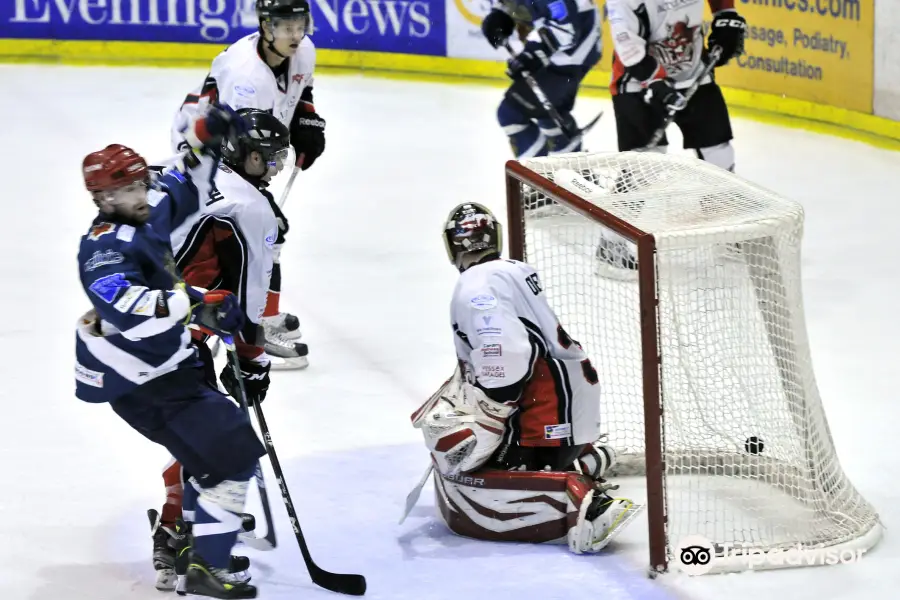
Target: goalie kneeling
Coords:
[[513, 434]]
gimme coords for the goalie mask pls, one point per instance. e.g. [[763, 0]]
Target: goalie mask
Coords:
[[471, 234]]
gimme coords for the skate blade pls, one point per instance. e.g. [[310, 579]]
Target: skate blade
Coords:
[[288, 364], [621, 523]]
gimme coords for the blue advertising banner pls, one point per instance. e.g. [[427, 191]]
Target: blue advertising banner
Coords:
[[404, 26]]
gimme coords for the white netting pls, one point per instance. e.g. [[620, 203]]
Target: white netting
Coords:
[[735, 357]]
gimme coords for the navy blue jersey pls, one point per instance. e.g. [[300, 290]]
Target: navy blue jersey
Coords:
[[574, 24], [136, 330]]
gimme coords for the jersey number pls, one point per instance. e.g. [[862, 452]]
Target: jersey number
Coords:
[[534, 283], [587, 369]]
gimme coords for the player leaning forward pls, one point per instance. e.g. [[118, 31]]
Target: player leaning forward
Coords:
[[515, 431], [134, 349], [271, 70]]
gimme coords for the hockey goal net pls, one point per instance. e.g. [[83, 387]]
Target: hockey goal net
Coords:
[[682, 283]]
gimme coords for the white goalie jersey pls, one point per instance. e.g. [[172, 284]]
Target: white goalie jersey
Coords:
[[240, 78], [509, 340]]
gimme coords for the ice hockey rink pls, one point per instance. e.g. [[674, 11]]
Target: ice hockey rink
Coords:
[[365, 270]]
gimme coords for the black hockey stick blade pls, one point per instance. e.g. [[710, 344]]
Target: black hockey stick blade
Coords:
[[590, 125], [341, 583]]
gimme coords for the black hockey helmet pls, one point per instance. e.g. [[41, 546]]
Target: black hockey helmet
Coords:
[[267, 10], [265, 134], [471, 234]]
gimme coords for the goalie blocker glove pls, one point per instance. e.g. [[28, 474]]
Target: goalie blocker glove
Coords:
[[727, 32]]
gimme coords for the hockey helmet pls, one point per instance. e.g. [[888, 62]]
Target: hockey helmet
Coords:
[[274, 11], [113, 167], [265, 134], [471, 233]]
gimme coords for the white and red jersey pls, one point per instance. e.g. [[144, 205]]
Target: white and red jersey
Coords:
[[240, 78], [671, 31], [509, 341], [229, 244]]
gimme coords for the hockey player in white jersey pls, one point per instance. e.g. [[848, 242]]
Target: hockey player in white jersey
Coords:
[[514, 433], [659, 53], [229, 244], [271, 70]]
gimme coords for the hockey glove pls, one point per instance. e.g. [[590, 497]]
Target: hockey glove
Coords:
[[209, 130], [532, 59], [662, 96], [497, 26], [728, 31], [256, 380], [217, 311], [308, 138]]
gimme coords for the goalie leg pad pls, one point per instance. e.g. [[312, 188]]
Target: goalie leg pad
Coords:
[[530, 506]]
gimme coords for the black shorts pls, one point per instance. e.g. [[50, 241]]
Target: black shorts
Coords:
[[704, 122]]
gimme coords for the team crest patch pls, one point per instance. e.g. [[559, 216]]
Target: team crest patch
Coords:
[[101, 229], [107, 288], [99, 259]]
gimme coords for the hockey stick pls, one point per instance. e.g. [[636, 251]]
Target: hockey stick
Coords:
[[269, 542], [714, 55], [350, 584], [413, 495], [290, 183], [545, 103]]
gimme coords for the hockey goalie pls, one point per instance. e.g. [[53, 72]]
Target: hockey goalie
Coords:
[[513, 434]]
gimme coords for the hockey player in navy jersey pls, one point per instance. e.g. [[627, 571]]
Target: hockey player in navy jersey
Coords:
[[134, 349], [563, 45]]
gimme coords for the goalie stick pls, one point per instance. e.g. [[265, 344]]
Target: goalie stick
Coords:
[[414, 494], [350, 584], [573, 134]]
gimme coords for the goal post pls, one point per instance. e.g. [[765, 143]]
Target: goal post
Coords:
[[682, 283]]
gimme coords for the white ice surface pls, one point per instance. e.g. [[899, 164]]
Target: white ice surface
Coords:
[[364, 269]]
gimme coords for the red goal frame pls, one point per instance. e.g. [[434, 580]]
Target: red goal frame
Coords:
[[516, 175]]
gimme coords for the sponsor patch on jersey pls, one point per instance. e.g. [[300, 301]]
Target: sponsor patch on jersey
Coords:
[[491, 325], [101, 229], [102, 258], [297, 78], [154, 197], [88, 376], [272, 237], [126, 233], [162, 306], [107, 287], [493, 371], [244, 90], [491, 350], [129, 297], [558, 10], [483, 302], [557, 432], [145, 305]]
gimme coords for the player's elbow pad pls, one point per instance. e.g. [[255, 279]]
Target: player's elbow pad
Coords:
[[170, 308]]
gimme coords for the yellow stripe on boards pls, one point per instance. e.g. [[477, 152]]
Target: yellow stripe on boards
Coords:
[[766, 108]]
